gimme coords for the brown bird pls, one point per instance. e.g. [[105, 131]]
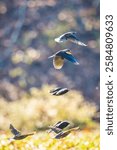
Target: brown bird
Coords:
[[58, 58], [65, 133], [59, 91], [70, 36], [17, 134]]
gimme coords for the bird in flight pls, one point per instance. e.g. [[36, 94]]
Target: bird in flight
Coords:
[[70, 36], [58, 58], [17, 134], [59, 91], [65, 133], [59, 126]]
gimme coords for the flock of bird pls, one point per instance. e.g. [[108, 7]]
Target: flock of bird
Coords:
[[58, 62], [56, 128]]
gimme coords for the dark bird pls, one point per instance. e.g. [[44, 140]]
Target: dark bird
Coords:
[[62, 124], [59, 91], [65, 133], [17, 134], [59, 126], [70, 36], [58, 58], [55, 90], [55, 129]]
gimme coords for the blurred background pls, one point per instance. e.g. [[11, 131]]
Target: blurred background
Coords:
[[27, 32]]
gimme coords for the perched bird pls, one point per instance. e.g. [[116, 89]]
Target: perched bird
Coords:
[[58, 58], [65, 133], [59, 126], [59, 91], [70, 36], [17, 134]]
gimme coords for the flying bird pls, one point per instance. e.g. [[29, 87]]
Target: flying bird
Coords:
[[58, 58], [65, 133], [70, 36], [17, 134], [54, 129], [55, 90], [59, 91], [59, 126]]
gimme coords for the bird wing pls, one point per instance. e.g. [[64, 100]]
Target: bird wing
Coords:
[[62, 91], [14, 130], [63, 124], [78, 42], [58, 62], [55, 90], [70, 57], [75, 39], [61, 135], [65, 133], [23, 136], [55, 129]]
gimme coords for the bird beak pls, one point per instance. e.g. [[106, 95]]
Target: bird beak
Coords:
[[59, 40]]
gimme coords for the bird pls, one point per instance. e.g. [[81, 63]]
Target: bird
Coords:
[[59, 126], [58, 58], [70, 36], [59, 91], [17, 134], [65, 133], [55, 90], [54, 129]]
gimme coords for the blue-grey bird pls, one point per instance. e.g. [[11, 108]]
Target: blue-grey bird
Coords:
[[70, 36], [65, 133], [17, 134], [59, 126], [58, 58], [59, 91]]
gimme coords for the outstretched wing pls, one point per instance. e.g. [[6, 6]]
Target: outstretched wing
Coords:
[[63, 124], [55, 129], [61, 91], [61, 135], [55, 90], [65, 133], [23, 136], [70, 57], [77, 42], [58, 62], [14, 130], [75, 39]]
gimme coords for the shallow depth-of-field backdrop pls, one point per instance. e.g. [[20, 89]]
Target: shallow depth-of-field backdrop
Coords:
[[27, 32]]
